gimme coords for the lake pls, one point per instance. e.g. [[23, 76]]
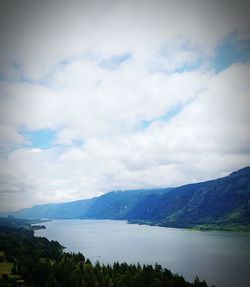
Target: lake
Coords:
[[220, 258]]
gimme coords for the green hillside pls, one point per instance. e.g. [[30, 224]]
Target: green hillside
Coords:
[[222, 203]]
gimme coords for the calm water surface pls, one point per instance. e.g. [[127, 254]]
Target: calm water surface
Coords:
[[220, 258]]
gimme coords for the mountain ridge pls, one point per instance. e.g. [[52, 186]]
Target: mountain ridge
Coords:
[[222, 202]]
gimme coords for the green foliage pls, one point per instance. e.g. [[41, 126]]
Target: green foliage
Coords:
[[5, 268]]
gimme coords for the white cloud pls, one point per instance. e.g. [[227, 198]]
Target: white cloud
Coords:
[[38, 35], [52, 78], [9, 135]]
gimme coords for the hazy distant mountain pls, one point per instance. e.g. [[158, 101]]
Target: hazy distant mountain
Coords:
[[114, 204], [221, 201]]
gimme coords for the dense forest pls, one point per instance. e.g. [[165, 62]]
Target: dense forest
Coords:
[[29, 261]]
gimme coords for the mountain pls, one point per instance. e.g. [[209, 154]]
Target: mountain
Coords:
[[110, 205], [54, 210], [223, 202]]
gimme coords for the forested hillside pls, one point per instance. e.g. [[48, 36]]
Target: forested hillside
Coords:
[[221, 203]]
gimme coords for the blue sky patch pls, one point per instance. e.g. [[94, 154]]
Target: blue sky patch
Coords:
[[114, 62], [144, 124], [42, 138], [230, 52], [177, 58], [187, 67], [77, 142]]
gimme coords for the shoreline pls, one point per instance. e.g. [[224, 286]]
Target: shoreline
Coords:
[[229, 227]]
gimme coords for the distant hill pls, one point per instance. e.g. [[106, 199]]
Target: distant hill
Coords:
[[222, 203], [113, 205]]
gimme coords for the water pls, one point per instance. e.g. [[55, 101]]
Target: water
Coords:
[[220, 258]]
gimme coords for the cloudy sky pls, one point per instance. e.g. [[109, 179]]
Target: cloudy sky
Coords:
[[105, 95]]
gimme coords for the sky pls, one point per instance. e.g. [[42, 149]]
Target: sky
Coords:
[[109, 95]]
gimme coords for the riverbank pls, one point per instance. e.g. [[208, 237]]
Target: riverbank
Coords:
[[36, 261], [232, 227]]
